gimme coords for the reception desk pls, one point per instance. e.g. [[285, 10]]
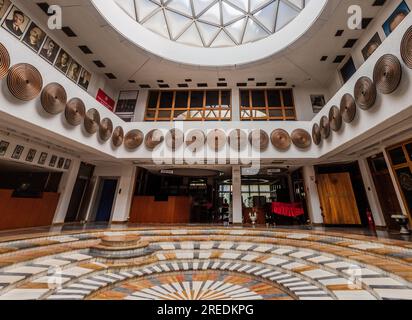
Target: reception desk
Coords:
[[26, 212], [146, 210]]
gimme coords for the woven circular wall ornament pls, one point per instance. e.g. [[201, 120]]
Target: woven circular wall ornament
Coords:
[[281, 139], [92, 121], [348, 108], [365, 93], [387, 74], [153, 139], [195, 139], [301, 138], [118, 136], [324, 127], [316, 136], [24, 81], [75, 111], [133, 139], [216, 139], [335, 118], [105, 129], [53, 98], [406, 48], [174, 139], [238, 140], [4, 61], [259, 140]]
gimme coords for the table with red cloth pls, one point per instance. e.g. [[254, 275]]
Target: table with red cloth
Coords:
[[287, 209]]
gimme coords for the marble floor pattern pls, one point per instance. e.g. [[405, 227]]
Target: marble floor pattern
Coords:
[[207, 263]]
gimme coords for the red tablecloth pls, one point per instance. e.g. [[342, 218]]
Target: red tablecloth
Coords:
[[287, 209]]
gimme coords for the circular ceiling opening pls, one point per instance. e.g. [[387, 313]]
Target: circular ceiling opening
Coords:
[[211, 32]]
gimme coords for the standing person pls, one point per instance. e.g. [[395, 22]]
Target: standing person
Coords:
[[225, 213]]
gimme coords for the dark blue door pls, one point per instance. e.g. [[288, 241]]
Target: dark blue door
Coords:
[[104, 209]]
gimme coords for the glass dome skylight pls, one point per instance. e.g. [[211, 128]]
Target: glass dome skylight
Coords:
[[213, 23]]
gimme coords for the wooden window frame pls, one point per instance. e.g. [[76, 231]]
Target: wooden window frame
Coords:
[[219, 111], [282, 108]]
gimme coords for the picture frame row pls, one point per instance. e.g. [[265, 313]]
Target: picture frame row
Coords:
[[16, 22]]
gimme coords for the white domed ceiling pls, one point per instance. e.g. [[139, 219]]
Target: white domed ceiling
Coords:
[[213, 23]]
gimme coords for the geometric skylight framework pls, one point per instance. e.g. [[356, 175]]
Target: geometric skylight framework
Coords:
[[213, 23]]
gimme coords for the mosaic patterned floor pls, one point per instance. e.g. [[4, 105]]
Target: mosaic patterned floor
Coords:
[[207, 263]]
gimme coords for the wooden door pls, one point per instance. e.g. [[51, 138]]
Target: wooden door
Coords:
[[338, 199]]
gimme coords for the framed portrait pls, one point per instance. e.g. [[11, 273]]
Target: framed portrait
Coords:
[[34, 37], [53, 161], [16, 22], [49, 50], [84, 79], [63, 61], [371, 46], [67, 164], [17, 152], [74, 71], [318, 102], [4, 6], [4, 145], [42, 159], [60, 163], [30, 155], [396, 18]]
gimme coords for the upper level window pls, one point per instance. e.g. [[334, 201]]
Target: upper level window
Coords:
[[267, 104], [189, 105]]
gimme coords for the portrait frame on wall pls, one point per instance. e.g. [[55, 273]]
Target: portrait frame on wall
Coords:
[[9, 23], [63, 61], [60, 163], [53, 161], [318, 102], [34, 37], [30, 155], [4, 145], [84, 79], [18, 151], [43, 158], [49, 50], [397, 16], [67, 164], [73, 73], [373, 44], [4, 7]]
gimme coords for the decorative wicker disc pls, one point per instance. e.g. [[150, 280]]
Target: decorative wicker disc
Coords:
[[316, 136], [53, 98], [348, 108], [365, 93], [406, 48], [75, 111], [387, 74], [133, 139], [92, 121], [216, 139], [174, 139], [105, 129], [324, 127], [4, 61], [118, 136], [301, 138], [24, 81], [238, 140], [195, 138], [281, 139], [335, 118], [153, 139], [259, 140]]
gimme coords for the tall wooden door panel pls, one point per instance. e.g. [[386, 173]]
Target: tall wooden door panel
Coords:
[[338, 199]]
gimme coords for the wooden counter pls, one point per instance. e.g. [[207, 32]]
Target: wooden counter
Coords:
[[146, 210], [26, 212]]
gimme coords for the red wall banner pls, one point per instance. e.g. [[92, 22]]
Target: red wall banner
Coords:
[[105, 100]]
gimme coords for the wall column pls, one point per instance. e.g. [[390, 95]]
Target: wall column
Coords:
[[312, 195], [66, 189], [235, 104], [371, 193], [237, 194], [125, 192]]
